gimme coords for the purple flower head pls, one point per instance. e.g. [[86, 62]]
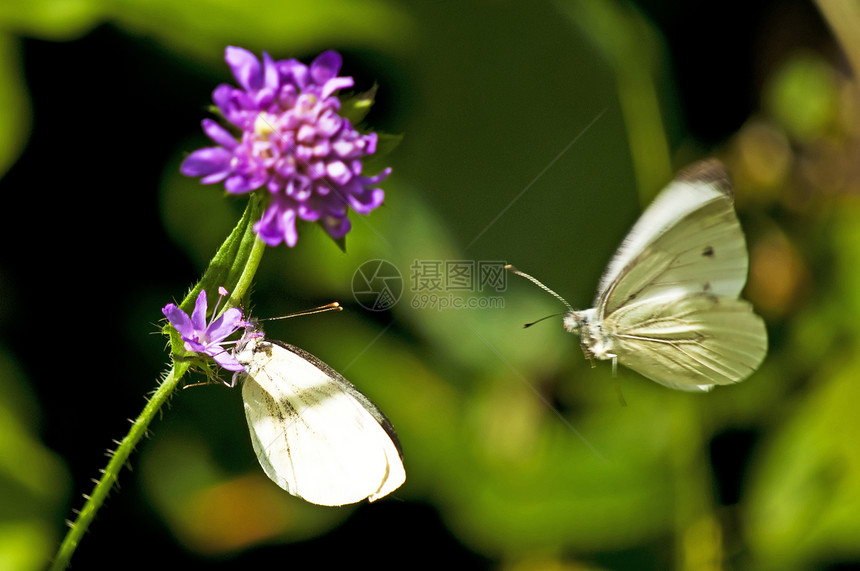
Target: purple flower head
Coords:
[[292, 141], [208, 338]]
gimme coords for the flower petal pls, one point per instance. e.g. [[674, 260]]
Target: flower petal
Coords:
[[178, 319], [193, 345], [207, 161], [377, 178], [227, 361], [329, 123], [293, 72], [334, 84], [246, 67], [325, 67], [366, 200], [336, 227], [225, 325], [271, 81], [198, 317], [240, 184], [219, 134], [278, 224], [338, 172]]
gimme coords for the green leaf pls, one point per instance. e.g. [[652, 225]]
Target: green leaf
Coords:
[[356, 107], [234, 260], [805, 487], [385, 145], [341, 243], [232, 267]]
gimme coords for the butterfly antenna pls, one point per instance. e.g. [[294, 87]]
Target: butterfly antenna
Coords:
[[513, 270], [334, 306], [541, 319]]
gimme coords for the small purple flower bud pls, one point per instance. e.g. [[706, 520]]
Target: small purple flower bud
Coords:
[[209, 338]]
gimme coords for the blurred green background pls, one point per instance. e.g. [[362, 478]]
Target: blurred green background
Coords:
[[534, 133]]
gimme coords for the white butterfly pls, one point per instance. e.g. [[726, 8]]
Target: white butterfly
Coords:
[[667, 305], [314, 433]]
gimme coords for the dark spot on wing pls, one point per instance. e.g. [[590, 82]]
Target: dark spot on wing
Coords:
[[708, 252]]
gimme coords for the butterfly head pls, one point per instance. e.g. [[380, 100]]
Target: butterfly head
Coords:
[[252, 340], [575, 321], [596, 344]]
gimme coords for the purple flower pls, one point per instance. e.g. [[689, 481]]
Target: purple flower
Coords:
[[208, 338], [292, 141]]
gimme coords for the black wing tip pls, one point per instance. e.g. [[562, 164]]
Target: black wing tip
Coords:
[[710, 171]]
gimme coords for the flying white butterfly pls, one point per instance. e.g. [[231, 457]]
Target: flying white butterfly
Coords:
[[667, 305], [314, 433]]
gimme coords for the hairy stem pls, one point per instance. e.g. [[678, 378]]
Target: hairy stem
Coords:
[[118, 459], [233, 267]]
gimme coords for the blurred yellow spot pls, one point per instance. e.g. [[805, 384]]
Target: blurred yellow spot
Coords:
[[762, 161], [703, 545], [777, 275], [235, 514]]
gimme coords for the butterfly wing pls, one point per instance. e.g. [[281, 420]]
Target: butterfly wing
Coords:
[[688, 240], [314, 433], [690, 341]]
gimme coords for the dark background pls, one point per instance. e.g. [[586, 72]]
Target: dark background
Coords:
[[486, 95]]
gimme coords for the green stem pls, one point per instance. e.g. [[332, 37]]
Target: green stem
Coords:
[[235, 262], [117, 461], [247, 275], [234, 267]]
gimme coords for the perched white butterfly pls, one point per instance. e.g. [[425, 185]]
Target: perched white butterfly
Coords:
[[667, 305], [314, 433]]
